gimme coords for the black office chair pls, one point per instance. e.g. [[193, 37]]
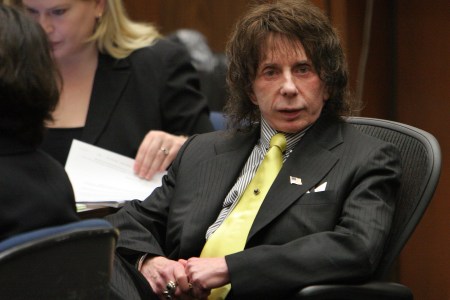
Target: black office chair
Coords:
[[212, 67], [72, 261], [421, 161], [218, 120]]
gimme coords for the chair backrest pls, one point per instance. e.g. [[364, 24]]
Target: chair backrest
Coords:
[[421, 164], [212, 67], [72, 261], [218, 120]]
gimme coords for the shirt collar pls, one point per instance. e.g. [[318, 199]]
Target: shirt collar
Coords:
[[291, 138]]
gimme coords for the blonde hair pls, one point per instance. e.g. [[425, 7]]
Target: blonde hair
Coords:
[[116, 34]]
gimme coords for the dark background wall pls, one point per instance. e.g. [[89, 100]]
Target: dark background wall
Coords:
[[407, 79]]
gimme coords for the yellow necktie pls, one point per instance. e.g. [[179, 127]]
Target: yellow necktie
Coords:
[[232, 234]]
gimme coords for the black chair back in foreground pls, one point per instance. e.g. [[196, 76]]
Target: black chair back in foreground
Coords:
[[72, 261], [421, 164]]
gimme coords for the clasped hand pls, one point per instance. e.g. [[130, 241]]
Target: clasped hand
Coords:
[[194, 277], [156, 152]]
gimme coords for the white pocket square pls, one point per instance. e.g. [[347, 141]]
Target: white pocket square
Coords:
[[320, 188]]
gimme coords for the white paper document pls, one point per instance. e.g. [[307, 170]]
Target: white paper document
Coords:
[[99, 176]]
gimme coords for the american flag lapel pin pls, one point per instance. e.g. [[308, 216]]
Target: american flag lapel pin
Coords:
[[295, 180]]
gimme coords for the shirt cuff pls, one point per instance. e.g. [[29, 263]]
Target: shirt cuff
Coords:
[[141, 261]]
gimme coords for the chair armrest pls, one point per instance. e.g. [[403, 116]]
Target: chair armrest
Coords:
[[374, 290]]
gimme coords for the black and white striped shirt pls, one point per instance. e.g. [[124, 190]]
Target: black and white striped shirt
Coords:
[[250, 167]]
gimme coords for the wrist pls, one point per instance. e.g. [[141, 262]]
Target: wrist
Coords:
[[140, 261]]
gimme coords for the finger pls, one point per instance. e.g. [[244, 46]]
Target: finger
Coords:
[[147, 148], [171, 289], [167, 161], [183, 262], [140, 155], [170, 157], [150, 159], [183, 282], [200, 293], [163, 158], [156, 283], [158, 272], [157, 152], [176, 143], [152, 165]]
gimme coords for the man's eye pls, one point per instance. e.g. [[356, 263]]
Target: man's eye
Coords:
[[269, 72], [303, 69]]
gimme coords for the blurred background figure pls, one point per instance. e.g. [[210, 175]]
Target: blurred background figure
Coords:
[[211, 66], [125, 88], [34, 188]]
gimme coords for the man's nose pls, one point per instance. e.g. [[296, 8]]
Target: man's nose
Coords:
[[288, 88]]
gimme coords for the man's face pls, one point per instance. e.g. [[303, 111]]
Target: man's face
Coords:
[[287, 89]]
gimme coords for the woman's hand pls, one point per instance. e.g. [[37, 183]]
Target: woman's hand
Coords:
[[156, 153]]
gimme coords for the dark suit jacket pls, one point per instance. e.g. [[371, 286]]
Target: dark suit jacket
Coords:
[[35, 191], [154, 88], [299, 236]]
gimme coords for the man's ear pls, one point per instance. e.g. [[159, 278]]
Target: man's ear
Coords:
[[252, 97], [326, 95]]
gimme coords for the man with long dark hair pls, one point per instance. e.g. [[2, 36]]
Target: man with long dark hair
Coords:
[[292, 195]]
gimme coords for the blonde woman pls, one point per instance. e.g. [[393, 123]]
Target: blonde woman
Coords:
[[125, 88]]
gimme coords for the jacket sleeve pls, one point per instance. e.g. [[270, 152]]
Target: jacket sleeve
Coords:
[[143, 224]]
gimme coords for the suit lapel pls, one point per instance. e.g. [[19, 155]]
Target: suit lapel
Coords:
[[310, 161], [217, 175], [110, 80]]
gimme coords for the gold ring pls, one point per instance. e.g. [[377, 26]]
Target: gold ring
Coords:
[[165, 151]]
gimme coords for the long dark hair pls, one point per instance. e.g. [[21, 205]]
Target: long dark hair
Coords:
[[29, 80], [296, 20]]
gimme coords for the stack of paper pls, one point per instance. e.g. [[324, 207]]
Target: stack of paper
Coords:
[[102, 177]]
